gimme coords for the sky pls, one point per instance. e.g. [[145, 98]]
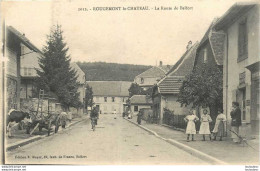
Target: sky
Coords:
[[132, 37]]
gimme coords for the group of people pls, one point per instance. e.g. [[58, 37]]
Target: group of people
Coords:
[[220, 126]]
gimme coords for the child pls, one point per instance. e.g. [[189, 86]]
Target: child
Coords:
[[190, 129], [219, 128], [204, 126]]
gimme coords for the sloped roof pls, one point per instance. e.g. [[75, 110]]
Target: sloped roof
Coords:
[[171, 85], [185, 64], [233, 13], [23, 39], [110, 88], [156, 71], [173, 81], [140, 99], [216, 40]]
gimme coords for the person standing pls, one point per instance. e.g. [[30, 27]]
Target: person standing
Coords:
[[235, 121], [139, 117], [204, 126], [191, 129], [63, 119], [220, 127], [114, 113]]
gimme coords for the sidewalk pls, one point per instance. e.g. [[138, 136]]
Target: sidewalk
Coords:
[[225, 150], [20, 137]]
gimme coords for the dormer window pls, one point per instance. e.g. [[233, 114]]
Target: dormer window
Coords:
[[142, 80], [205, 56]]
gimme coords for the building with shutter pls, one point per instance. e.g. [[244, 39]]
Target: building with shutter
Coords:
[[241, 63]]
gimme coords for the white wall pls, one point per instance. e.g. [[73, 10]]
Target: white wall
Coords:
[[232, 68], [109, 106]]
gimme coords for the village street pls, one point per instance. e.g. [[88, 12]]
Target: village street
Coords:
[[115, 141]]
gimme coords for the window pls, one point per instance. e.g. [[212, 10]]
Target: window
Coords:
[[205, 55], [113, 99], [29, 71], [136, 108], [123, 99], [242, 41], [142, 80], [22, 50], [105, 99]]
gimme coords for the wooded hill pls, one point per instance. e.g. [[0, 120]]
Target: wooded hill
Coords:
[[102, 71]]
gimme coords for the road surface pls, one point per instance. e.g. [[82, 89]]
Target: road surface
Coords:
[[115, 142]]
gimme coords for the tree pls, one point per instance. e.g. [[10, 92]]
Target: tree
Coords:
[[55, 74], [88, 97], [135, 89], [203, 88]]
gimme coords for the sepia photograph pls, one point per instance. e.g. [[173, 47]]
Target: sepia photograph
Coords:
[[130, 82]]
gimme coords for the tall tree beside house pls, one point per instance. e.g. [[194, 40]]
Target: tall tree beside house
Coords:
[[89, 97], [135, 89], [203, 88], [55, 75]]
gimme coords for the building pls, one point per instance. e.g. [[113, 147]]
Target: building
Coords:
[[241, 63], [29, 64], [82, 83], [110, 95], [151, 76], [138, 102], [165, 92], [210, 54], [13, 43]]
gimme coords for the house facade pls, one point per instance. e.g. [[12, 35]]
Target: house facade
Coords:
[[138, 102], [29, 61], [241, 64], [13, 43], [148, 78], [29, 64], [165, 92], [110, 95], [82, 84]]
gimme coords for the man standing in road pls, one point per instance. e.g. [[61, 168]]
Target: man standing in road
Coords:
[[235, 121]]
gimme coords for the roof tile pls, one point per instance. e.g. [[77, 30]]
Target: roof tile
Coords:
[[110, 88]]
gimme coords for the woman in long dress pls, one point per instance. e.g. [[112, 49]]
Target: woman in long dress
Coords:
[[204, 126], [191, 129], [219, 128]]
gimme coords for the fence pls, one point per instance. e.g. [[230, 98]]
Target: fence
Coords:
[[174, 120], [169, 118]]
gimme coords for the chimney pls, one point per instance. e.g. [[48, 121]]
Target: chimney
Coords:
[[160, 63], [189, 45]]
